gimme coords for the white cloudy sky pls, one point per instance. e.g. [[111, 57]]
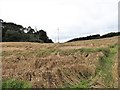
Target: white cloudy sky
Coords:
[[75, 18]]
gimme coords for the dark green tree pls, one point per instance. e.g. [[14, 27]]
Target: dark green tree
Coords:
[[12, 32], [13, 36]]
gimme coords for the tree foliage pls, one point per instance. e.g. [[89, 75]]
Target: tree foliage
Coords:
[[12, 32], [97, 36]]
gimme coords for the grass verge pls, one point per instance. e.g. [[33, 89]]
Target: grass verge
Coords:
[[105, 65], [15, 84], [104, 69]]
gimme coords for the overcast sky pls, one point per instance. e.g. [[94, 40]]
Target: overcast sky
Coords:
[[75, 18]]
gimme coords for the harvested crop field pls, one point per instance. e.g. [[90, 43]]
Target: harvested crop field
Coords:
[[81, 64]]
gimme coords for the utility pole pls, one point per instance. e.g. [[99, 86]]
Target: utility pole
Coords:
[[36, 33], [55, 39], [58, 35], [35, 29], [1, 27]]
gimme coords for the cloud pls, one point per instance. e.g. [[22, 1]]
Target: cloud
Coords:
[[74, 17]]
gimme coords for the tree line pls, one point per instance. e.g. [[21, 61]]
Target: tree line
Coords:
[[97, 36], [12, 32]]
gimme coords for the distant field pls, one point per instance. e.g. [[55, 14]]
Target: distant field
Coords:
[[80, 64]]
